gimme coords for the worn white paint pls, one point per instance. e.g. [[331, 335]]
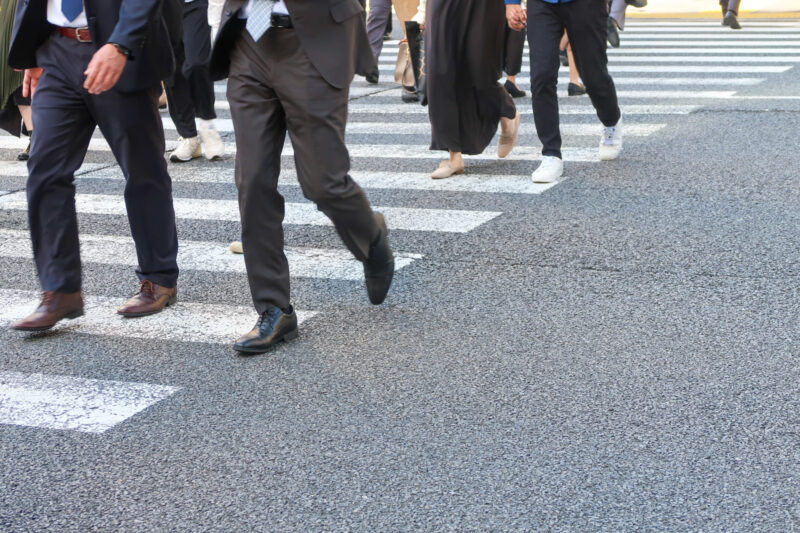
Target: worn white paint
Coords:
[[401, 218], [304, 262], [19, 169], [416, 181], [400, 108], [72, 403], [183, 322], [225, 125]]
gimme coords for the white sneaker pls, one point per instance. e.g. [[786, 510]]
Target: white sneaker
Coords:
[[213, 147], [550, 169], [611, 142], [186, 150]]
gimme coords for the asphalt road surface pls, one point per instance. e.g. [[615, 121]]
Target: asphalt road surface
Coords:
[[616, 352]]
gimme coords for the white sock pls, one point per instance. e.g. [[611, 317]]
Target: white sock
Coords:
[[206, 124]]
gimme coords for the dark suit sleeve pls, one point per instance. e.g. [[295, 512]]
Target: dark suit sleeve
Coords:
[[134, 19]]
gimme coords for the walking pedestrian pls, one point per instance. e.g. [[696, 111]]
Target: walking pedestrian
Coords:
[[190, 91], [289, 66], [81, 76], [464, 61], [585, 22]]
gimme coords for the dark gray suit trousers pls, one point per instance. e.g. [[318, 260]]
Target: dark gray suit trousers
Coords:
[[273, 87]]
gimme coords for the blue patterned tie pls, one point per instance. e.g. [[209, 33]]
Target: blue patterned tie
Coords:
[[71, 8], [260, 18]]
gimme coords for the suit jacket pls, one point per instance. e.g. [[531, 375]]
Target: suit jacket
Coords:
[[331, 32], [137, 25]]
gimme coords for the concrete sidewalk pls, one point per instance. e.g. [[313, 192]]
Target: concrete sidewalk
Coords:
[[710, 8]]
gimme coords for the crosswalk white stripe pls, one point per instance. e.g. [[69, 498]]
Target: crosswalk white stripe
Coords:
[[627, 80], [385, 67], [71, 403], [679, 69], [621, 81], [422, 128], [635, 28], [564, 110], [389, 57], [304, 262], [306, 214], [368, 106], [183, 322], [417, 181], [662, 95], [20, 168]]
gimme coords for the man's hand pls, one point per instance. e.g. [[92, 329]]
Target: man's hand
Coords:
[[104, 69], [29, 81], [516, 16]]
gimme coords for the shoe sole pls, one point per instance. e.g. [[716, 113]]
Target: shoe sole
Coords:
[[610, 158], [290, 336], [170, 301], [68, 316], [456, 173]]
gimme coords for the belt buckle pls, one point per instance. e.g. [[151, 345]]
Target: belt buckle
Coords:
[[78, 35]]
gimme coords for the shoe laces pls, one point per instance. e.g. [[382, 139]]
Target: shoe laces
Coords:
[[147, 288], [608, 134]]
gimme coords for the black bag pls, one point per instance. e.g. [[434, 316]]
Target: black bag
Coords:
[[416, 49]]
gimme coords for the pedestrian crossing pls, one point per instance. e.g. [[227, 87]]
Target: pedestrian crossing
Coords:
[[664, 71]]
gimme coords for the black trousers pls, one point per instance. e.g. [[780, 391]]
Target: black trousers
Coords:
[[65, 115], [512, 54], [273, 88], [190, 93], [586, 25]]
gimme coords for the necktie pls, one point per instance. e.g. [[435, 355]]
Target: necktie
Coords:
[[71, 8], [260, 18]]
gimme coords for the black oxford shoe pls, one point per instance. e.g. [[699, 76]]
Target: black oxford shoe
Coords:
[[272, 327], [379, 266]]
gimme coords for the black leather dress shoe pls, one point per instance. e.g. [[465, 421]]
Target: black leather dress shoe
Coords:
[[272, 327], [575, 89], [409, 94], [613, 33], [379, 266], [373, 76], [513, 90], [731, 21]]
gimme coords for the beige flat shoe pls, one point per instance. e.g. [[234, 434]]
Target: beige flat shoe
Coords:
[[236, 247], [446, 170], [509, 139]]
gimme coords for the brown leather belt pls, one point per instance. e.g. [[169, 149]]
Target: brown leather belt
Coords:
[[81, 35]]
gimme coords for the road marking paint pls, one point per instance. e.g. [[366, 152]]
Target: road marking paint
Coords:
[[421, 151], [19, 169], [681, 69], [71, 403], [379, 107], [418, 181], [304, 262], [306, 214], [225, 125], [183, 322], [622, 80]]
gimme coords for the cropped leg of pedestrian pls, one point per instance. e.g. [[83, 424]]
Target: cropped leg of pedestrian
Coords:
[[512, 60], [730, 13]]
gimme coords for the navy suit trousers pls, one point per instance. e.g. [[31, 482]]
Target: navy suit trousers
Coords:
[[65, 115]]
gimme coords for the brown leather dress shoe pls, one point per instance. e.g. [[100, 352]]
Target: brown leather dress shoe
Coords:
[[150, 299], [55, 306]]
